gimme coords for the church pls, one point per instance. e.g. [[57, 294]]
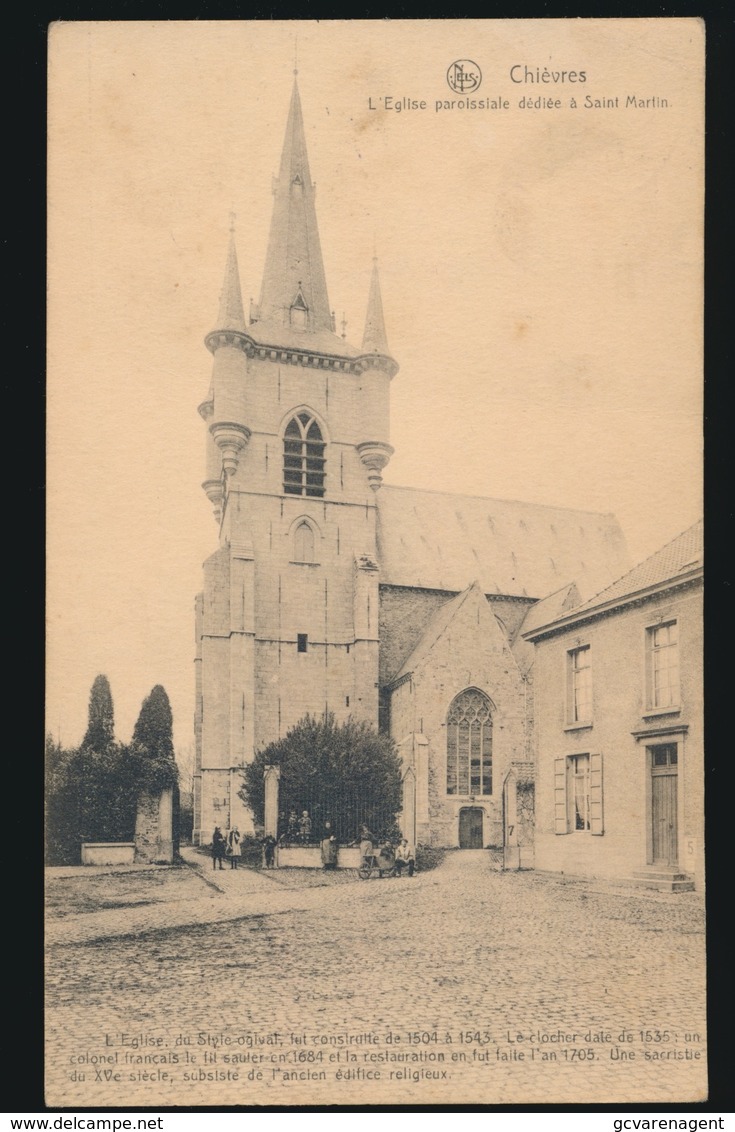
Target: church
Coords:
[[330, 591]]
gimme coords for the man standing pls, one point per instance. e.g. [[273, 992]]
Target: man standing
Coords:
[[405, 858]]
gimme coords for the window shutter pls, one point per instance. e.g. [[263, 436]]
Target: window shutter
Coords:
[[649, 668], [560, 796], [596, 794]]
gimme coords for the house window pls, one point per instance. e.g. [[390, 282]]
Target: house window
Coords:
[[578, 794], [303, 457], [579, 685], [302, 642], [662, 648], [470, 744], [665, 754], [303, 543]]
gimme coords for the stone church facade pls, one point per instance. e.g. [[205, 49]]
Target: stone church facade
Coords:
[[330, 591]]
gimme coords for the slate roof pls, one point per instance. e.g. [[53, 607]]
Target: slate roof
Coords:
[[294, 266], [281, 335], [437, 540], [375, 339], [231, 316], [680, 559], [547, 609], [293, 263]]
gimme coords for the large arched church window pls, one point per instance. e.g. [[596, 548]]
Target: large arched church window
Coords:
[[303, 457], [470, 744]]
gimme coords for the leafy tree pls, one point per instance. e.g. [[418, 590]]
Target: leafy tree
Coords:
[[90, 796], [107, 789], [62, 841], [348, 772]]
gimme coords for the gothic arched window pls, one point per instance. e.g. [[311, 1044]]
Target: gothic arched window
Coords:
[[303, 457], [303, 543], [470, 744]]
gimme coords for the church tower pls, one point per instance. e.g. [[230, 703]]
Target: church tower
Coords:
[[297, 436]]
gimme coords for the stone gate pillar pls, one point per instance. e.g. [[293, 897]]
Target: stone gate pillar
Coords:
[[408, 816], [271, 775], [511, 850], [421, 764], [154, 828]]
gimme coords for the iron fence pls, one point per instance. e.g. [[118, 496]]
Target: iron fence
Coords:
[[304, 814]]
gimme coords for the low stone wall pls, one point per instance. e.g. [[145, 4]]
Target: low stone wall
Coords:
[[310, 857], [108, 852]]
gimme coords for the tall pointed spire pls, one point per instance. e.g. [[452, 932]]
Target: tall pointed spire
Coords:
[[231, 315], [375, 340], [294, 280]]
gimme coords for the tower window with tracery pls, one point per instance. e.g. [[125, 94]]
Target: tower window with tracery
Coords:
[[303, 457], [470, 744]]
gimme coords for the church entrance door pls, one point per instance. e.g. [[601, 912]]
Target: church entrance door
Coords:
[[470, 828]]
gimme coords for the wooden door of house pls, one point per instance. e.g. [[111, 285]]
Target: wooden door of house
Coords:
[[664, 803], [470, 828]]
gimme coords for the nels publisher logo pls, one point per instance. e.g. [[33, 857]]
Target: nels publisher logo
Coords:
[[464, 76]]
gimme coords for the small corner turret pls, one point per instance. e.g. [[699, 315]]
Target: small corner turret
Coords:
[[377, 369], [375, 339], [223, 410]]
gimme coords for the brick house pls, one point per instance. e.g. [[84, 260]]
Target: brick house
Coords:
[[619, 726]]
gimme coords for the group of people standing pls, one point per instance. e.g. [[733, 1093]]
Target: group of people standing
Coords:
[[226, 846], [299, 828], [400, 858]]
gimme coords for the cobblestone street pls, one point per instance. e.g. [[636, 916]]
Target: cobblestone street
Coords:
[[462, 984]]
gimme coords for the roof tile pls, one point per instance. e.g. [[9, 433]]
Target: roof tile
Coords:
[[682, 554]]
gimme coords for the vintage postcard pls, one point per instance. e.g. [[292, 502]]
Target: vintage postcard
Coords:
[[374, 727]]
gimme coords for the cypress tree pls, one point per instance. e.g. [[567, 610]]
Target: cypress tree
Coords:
[[153, 743], [101, 721], [153, 739]]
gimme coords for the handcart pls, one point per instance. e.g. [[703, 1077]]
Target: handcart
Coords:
[[378, 863]]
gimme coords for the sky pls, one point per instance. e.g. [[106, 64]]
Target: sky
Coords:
[[541, 270]]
